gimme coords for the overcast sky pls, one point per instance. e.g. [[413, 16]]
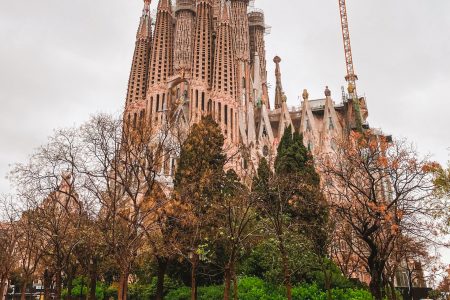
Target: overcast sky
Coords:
[[62, 60]]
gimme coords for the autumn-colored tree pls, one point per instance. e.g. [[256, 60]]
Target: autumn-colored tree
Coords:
[[412, 258], [120, 165], [291, 200], [442, 180], [109, 171], [198, 184], [237, 227], [9, 236], [444, 286], [30, 253], [381, 191], [53, 206]]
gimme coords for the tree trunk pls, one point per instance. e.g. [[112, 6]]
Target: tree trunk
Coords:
[[47, 284], [328, 277], [235, 283], [23, 291], [286, 271], [58, 284], [69, 288], [227, 282], [2, 287], [375, 284], [392, 288], [194, 263], [410, 286], [162, 268], [93, 281], [123, 285]]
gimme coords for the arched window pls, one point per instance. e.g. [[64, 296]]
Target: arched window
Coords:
[[226, 114], [203, 101], [210, 106], [151, 105], [231, 123], [196, 98], [157, 103]]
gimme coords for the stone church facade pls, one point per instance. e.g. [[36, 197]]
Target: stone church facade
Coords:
[[208, 57]]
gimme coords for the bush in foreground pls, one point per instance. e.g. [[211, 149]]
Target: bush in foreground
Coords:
[[251, 288]]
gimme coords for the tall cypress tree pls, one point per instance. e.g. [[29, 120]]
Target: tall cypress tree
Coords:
[[198, 185], [295, 162], [201, 165]]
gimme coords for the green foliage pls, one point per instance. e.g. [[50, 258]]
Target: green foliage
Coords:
[[265, 261], [139, 291], [201, 163], [251, 288], [293, 156], [204, 293], [81, 290]]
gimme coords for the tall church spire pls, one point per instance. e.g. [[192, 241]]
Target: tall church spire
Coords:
[[258, 46], [224, 79], [279, 94], [203, 43], [162, 51], [161, 67], [137, 84], [203, 60], [184, 36]]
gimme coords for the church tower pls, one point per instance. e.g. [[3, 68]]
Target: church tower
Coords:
[[203, 60], [184, 37], [241, 43], [258, 46], [161, 67], [224, 106], [137, 83]]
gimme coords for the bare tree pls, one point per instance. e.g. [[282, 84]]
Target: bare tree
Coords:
[[125, 169], [237, 230], [30, 253], [9, 236], [381, 191]]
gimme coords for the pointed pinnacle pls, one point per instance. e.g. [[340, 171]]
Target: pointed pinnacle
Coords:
[[146, 9], [165, 5], [225, 17]]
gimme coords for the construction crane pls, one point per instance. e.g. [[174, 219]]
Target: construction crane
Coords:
[[351, 77]]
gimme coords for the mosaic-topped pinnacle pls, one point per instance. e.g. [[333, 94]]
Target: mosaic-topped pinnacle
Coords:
[[305, 94], [327, 92]]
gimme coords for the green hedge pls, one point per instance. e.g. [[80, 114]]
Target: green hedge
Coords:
[[251, 288]]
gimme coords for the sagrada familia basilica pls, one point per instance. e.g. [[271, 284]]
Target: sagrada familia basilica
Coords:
[[208, 57]]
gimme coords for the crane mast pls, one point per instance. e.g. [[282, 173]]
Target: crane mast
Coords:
[[351, 76], [354, 112]]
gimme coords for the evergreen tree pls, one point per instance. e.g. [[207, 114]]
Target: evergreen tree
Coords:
[[198, 184], [291, 200], [295, 162], [200, 169]]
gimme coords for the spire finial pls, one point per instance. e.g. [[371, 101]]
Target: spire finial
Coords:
[[305, 94], [146, 9], [278, 87], [327, 92]]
